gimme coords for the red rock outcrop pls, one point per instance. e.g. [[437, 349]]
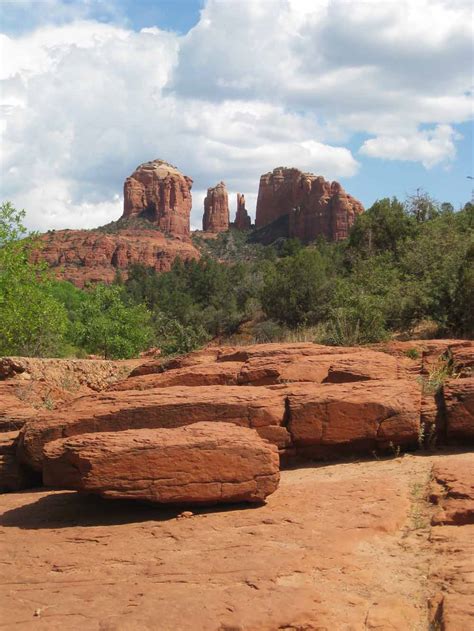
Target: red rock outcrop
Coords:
[[82, 256], [13, 475], [354, 417], [459, 402], [158, 192], [315, 207], [452, 544], [204, 463], [224, 374], [216, 209], [242, 220], [453, 491], [155, 408]]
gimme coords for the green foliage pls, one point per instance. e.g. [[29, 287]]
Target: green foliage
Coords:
[[109, 327], [296, 289], [174, 338], [382, 228], [32, 321]]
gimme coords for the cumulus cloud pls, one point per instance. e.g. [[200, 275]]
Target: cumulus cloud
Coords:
[[85, 102], [430, 147]]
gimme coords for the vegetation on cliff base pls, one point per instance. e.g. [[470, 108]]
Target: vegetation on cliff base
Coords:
[[403, 264]]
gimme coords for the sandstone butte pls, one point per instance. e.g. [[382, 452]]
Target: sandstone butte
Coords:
[[314, 207], [157, 192], [154, 228], [242, 220], [387, 540], [216, 209]]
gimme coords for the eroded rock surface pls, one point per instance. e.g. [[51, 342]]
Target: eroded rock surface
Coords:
[[203, 463], [242, 219], [354, 416], [164, 408], [335, 547], [459, 402], [452, 543], [82, 256], [159, 192], [314, 206], [216, 209]]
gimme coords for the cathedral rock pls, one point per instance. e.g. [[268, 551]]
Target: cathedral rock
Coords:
[[314, 207], [157, 191], [216, 209], [242, 219]]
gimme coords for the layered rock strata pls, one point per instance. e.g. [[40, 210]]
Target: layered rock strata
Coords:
[[159, 192], [314, 206], [83, 256], [204, 463], [307, 399], [216, 209]]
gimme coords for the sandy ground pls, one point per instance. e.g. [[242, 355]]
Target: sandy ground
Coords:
[[338, 547]]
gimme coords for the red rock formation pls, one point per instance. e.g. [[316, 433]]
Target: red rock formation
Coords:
[[82, 256], [157, 191], [216, 209], [459, 402], [315, 207], [205, 463], [152, 409], [452, 543], [242, 219]]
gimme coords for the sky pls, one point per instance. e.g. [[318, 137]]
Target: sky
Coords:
[[377, 94]]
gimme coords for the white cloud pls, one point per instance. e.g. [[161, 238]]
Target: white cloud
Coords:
[[430, 147], [85, 102]]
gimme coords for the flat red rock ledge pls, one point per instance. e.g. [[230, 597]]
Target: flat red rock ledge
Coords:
[[203, 463]]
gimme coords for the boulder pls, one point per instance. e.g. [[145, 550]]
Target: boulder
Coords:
[[459, 404], [224, 374], [331, 419], [216, 209], [242, 220], [205, 463], [156, 408], [159, 192], [315, 207]]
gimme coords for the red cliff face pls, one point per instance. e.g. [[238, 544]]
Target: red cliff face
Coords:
[[216, 209], [82, 256], [242, 219], [314, 206], [157, 191]]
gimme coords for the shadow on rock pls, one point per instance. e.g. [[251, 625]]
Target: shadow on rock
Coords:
[[69, 509]]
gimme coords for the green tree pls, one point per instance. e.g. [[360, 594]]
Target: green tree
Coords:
[[32, 321], [296, 290], [108, 326], [383, 227]]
